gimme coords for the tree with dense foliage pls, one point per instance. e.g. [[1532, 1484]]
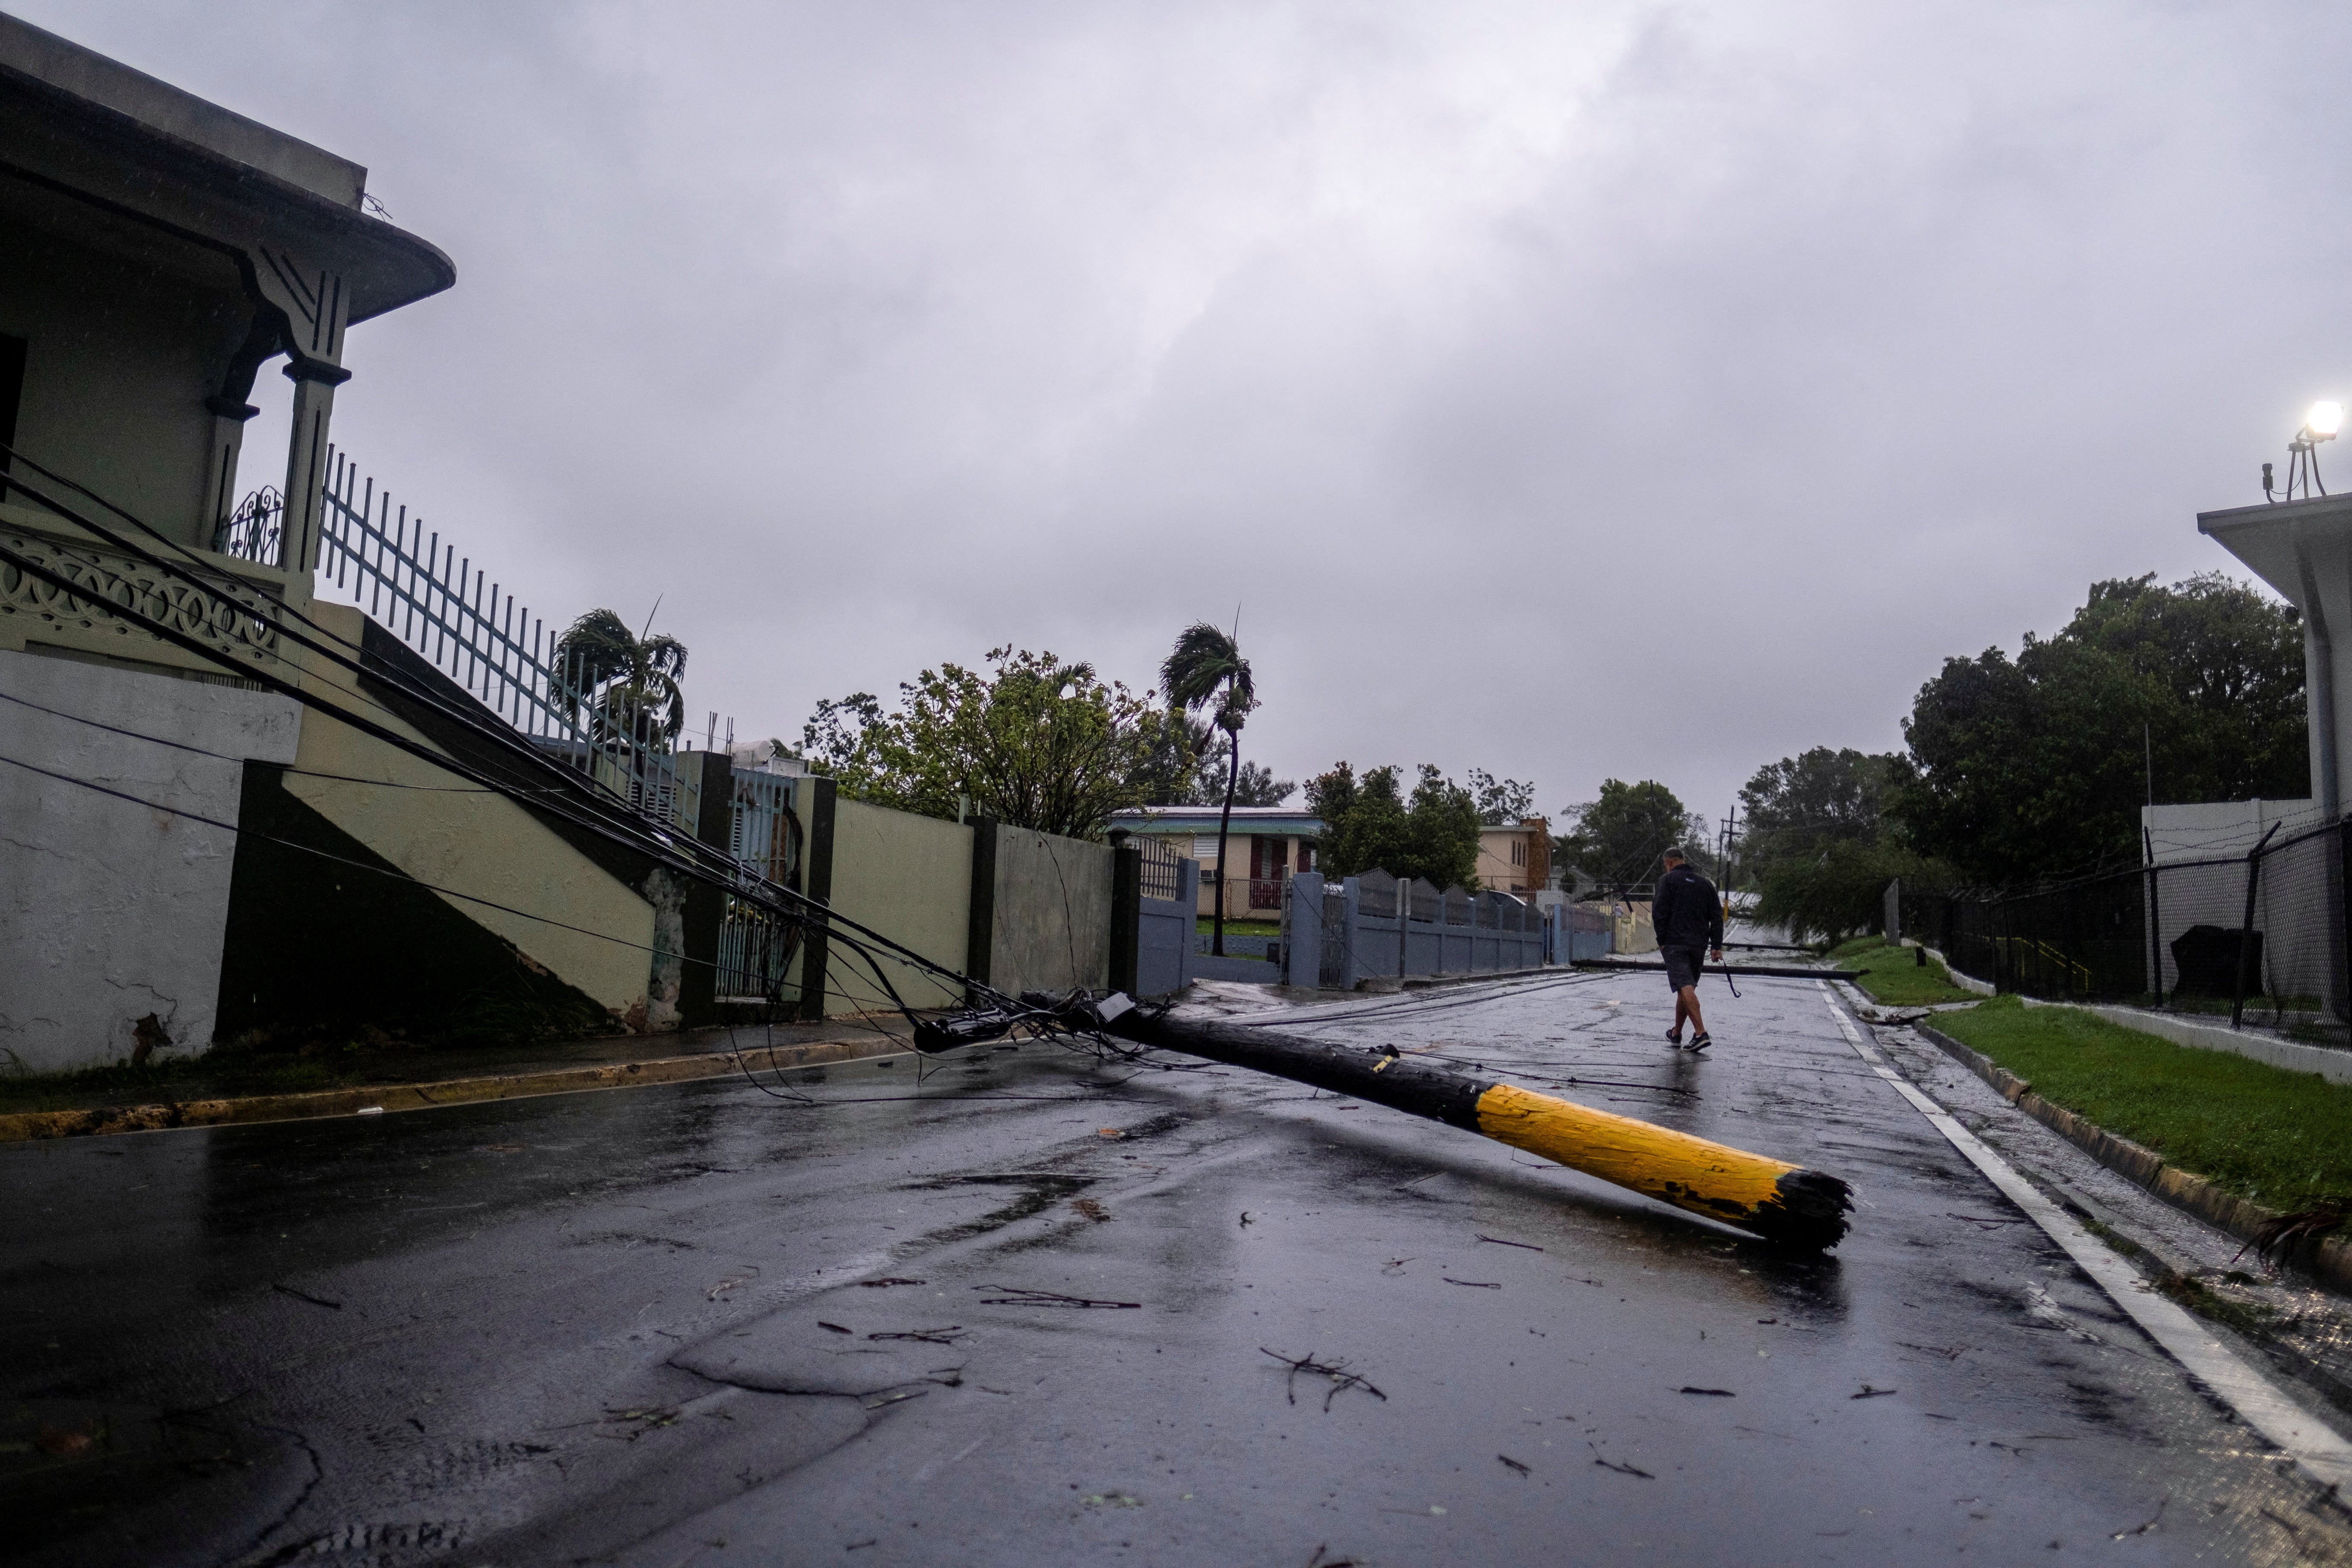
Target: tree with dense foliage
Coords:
[[629, 683], [1170, 763], [2033, 768], [1370, 821], [1618, 838], [1800, 805], [1255, 784], [1206, 671], [1032, 741], [1840, 890], [1501, 802], [1818, 843]]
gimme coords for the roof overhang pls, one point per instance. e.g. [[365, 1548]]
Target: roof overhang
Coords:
[[76, 127], [2266, 537]]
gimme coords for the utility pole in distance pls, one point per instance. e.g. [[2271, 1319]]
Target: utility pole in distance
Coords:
[[1723, 861]]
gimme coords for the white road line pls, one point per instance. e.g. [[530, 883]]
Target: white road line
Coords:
[[2314, 1445]]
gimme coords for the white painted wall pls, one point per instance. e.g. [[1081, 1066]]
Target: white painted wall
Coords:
[[109, 911]]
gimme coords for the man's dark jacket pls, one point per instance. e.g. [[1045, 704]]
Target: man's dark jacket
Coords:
[[1686, 911]]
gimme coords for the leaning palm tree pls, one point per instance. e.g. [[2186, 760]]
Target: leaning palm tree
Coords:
[[628, 683], [1206, 670]]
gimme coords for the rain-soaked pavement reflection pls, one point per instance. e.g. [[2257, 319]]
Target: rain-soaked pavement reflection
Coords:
[[1193, 1317]]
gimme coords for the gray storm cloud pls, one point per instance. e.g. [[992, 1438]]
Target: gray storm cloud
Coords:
[[1571, 390]]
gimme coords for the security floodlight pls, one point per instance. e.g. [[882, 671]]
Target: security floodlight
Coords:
[[2327, 417]]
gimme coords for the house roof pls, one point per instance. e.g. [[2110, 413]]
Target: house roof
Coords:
[[1285, 820]]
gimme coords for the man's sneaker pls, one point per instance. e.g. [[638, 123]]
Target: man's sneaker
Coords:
[[1675, 1036], [1701, 1042]]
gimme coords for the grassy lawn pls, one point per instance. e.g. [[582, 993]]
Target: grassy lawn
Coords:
[[2283, 1139], [1241, 928], [1892, 976]]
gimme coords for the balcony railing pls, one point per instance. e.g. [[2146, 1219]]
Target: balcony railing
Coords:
[[256, 530]]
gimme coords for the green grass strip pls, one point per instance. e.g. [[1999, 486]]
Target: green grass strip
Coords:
[[1893, 977], [2283, 1139], [1240, 927]]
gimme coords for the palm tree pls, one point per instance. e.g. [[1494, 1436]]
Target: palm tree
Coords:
[[629, 683], [1206, 670]]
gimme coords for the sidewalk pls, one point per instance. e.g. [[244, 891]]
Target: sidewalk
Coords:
[[221, 1088]]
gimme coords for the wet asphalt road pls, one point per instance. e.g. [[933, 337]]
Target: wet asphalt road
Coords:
[[698, 1324]]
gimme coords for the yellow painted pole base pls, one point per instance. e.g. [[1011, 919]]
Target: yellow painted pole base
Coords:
[[1782, 1201]]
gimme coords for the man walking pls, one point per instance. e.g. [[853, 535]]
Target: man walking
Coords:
[[1688, 917]]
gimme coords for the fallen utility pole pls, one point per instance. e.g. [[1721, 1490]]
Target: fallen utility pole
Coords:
[[1769, 970], [1782, 1203]]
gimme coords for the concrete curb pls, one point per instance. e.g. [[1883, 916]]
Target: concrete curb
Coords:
[[36, 1126], [1423, 982], [1965, 981], [2329, 1261]]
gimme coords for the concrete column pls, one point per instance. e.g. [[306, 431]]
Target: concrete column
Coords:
[[306, 463], [1126, 914], [1302, 954], [220, 476], [231, 407], [1351, 932], [1188, 899], [705, 906], [816, 883], [305, 308], [980, 934]]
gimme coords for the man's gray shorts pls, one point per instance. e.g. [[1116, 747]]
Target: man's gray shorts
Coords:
[[1683, 965]]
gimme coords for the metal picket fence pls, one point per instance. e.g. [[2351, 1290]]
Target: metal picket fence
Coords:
[[417, 584], [2258, 937]]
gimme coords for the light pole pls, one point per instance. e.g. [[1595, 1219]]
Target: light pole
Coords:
[[2303, 452]]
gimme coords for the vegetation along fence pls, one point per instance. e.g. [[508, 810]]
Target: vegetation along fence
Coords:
[[2259, 937]]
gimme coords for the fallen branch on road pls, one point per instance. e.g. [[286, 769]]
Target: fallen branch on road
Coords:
[[1022, 1296], [1336, 1371]]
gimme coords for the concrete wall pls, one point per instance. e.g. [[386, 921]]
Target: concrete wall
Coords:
[[1051, 927], [482, 845], [117, 368], [111, 911], [1635, 932], [908, 878]]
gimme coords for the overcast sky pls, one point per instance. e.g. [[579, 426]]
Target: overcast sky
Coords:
[[1572, 390]]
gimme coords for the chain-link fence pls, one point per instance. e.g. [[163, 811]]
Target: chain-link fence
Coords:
[[2258, 937]]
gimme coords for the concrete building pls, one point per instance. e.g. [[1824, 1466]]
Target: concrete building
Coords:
[[1516, 857], [2302, 550], [160, 251], [193, 853], [1269, 843], [239, 810]]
